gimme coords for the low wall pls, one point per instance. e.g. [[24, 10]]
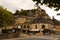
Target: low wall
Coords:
[[57, 32], [9, 35]]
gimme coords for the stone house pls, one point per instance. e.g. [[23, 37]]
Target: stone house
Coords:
[[35, 22]]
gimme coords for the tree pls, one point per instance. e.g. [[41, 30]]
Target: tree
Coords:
[[49, 3], [58, 14], [6, 17], [17, 12], [22, 12]]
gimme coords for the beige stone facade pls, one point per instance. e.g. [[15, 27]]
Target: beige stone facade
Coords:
[[20, 20], [36, 28], [57, 29]]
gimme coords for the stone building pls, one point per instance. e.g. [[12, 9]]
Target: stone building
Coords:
[[35, 22]]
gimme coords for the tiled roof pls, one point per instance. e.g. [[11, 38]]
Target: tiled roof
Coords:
[[40, 18], [43, 20], [56, 22]]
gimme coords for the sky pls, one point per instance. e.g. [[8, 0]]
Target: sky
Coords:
[[13, 5]]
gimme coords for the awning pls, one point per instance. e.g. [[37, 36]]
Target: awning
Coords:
[[34, 30]]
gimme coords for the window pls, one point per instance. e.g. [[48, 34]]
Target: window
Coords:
[[43, 26], [28, 26], [21, 26], [35, 26], [24, 26]]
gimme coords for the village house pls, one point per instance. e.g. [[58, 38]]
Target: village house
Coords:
[[35, 22]]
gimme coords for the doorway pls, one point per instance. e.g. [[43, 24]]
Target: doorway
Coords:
[[43, 26]]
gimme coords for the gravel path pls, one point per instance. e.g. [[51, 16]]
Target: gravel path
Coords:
[[56, 37]]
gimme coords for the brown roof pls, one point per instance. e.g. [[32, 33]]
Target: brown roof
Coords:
[[56, 22], [43, 20]]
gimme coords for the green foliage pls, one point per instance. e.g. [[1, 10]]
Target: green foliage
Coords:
[[17, 12], [6, 17], [33, 10], [37, 1], [58, 13], [28, 21], [22, 12], [49, 3]]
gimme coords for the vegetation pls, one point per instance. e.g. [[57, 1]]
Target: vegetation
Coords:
[[6, 17], [22, 12], [17, 12], [49, 3]]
